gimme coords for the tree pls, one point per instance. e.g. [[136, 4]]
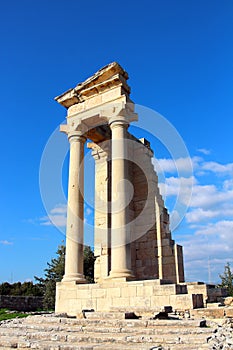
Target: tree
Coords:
[[21, 289], [28, 288], [55, 271], [227, 279], [53, 274], [89, 260], [5, 288]]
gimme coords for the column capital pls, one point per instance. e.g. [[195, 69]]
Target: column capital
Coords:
[[74, 129], [122, 114], [118, 121], [76, 136]]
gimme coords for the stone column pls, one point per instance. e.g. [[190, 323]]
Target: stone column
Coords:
[[159, 239], [120, 233], [75, 210]]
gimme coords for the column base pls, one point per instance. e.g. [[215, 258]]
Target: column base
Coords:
[[77, 278], [125, 274]]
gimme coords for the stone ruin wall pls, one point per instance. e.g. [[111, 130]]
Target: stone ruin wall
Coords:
[[154, 253], [21, 303]]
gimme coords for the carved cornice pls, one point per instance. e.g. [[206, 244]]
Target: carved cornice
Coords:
[[106, 78]]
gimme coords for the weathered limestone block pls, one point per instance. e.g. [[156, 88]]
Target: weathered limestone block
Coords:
[[183, 302], [228, 301], [229, 312], [131, 291], [208, 313]]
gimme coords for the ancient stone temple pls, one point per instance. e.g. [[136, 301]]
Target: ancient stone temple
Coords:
[[138, 264]]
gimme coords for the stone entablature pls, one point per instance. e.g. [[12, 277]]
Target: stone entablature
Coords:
[[112, 76]]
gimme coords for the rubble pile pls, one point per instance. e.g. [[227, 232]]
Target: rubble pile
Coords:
[[222, 337]]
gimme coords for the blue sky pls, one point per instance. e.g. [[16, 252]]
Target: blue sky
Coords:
[[179, 56]]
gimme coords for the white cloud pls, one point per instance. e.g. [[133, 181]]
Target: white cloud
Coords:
[[178, 186], [56, 220], [59, 209], [217, 167], [207, 251], [207, 242], [210, 202], [204, 151], [5, 242], [199, 214], [208, 196], [180, 165], [222, 229], [228, 184], [187, 165], [200, 249], [205, 201], [56, 217]]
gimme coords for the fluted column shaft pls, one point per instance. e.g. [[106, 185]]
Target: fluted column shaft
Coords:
[[120, 234], [75, 211]]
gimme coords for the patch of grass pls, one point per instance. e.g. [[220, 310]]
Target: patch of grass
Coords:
[[8, 315]]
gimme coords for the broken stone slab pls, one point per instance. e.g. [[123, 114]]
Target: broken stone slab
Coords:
[[167, 309], [131, 316], [229, 312], [203, 324], [215, 313], [92, 315], [162, 315], [228, 301]]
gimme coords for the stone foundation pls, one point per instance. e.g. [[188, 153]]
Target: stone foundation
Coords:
[[145, 295]]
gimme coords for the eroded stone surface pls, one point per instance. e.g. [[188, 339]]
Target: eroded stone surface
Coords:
[[222, 337], [228, 301], [50, 332]]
